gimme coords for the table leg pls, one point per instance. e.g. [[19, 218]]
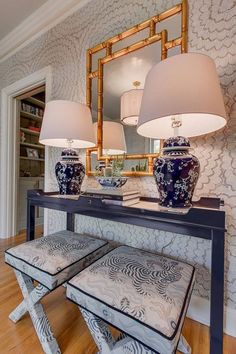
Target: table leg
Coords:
[[30, 221], [70, 222], [217, 293]]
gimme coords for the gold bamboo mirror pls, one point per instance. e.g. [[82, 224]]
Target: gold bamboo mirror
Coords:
[[116, 72]]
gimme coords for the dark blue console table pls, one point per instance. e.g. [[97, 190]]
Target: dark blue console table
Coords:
[[206, 219]]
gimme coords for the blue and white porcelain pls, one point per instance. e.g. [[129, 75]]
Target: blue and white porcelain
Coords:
[[70, 173], [112, 182], [176, 173]]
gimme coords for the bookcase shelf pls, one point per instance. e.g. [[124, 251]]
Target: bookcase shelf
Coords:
[[31, 116], [33, 146], [35, 102], [31, 158], [29, 131]]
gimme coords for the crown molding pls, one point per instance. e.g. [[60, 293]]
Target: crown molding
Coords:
[[39, 22]]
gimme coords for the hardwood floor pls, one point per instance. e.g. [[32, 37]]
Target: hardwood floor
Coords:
[[67, 323]]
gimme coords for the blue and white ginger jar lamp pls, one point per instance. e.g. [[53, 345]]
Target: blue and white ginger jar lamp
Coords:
[[181, 97], [69, 125], [70, 172], [176, 173]]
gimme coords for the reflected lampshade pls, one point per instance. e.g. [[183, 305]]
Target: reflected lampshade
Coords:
[[130, 106], [113, 138], [184, 87], [67, 120]]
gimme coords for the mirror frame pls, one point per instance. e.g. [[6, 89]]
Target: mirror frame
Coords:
[[153, 37]]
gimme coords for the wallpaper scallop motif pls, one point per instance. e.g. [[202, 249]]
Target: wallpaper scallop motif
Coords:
[[212, 31]]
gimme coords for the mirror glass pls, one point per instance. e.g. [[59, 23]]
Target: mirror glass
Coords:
[[123, 77]]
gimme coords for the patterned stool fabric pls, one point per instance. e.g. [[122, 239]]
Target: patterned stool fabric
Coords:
[[51, 260], [54, 259], [144, 295]]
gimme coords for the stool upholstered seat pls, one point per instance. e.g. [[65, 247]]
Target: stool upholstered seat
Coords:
[[144, 295], [51, 261], [54, 259]]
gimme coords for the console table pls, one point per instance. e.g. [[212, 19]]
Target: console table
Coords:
[[206, 219]]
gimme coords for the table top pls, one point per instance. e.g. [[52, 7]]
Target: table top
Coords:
[[205, 215]]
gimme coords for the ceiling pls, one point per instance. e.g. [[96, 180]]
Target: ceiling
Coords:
[[13, 12]]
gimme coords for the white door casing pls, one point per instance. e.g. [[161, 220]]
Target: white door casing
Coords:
[[8, 146]]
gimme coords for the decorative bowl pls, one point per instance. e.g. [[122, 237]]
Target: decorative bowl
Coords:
[[112, 182]]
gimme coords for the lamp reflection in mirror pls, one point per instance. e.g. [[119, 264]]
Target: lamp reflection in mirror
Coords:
[[182, 98], [69, 125], [130, 103], [113, 138]]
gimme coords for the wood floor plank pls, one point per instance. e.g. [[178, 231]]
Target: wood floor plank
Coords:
[[68, 325]]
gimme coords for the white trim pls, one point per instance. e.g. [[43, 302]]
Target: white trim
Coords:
[[39, 22], [230, 315], [8, 146], [199, 310]]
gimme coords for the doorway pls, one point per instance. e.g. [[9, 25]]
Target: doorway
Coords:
[[31, 154], [10, 143]]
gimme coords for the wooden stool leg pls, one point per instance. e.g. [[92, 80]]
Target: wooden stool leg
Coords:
[[33, 306]]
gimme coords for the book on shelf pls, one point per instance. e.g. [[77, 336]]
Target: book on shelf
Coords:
[[34, 129], [123, 203], [32, 109], [113, 194]]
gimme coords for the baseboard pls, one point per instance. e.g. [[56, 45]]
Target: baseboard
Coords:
[[38, 230], [199, 310]]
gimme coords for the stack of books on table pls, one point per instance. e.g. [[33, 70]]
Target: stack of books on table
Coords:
[[116, 196]]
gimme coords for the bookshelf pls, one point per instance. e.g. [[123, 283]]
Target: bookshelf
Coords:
[[31, 156], [32, 153]]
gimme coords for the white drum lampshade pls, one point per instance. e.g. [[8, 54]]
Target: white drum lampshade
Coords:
[[182, 98], [113, 138], [68, 124], [184, 87], [130, 103], [65, 121]]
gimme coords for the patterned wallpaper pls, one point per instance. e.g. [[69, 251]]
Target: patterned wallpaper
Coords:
[[211, 31]]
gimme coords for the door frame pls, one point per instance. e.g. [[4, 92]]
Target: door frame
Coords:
[[8, 146]]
